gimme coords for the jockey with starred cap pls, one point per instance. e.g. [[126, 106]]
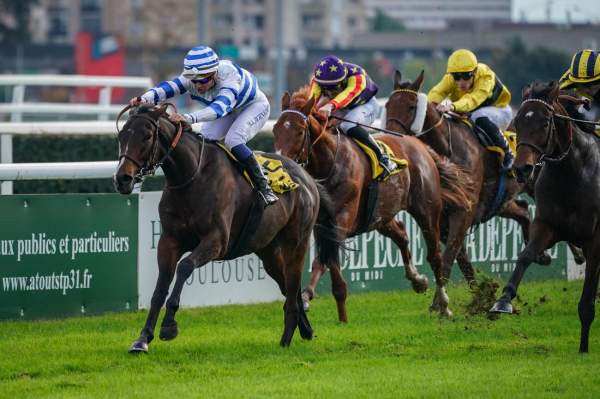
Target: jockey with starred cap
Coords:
[[472, 87], [231, 104], [350, 93]]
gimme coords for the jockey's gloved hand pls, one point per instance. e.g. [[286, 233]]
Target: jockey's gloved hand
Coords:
[[445, 106], [326, 109], [177, 118], [135, 101]]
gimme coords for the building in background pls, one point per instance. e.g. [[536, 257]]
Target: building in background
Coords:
[[440, 14]]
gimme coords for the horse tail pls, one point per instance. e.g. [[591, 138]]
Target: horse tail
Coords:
[[326, 230], [456, 185]]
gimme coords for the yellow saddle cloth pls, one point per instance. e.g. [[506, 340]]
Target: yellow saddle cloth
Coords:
[[375, 166], [279, 180], [511, 137]]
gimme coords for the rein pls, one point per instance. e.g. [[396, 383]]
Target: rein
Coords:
[[550, 135], [307, 144], [435, 125], [148, 168]]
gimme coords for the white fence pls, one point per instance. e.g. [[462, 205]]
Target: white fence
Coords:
[[103, 126], [103, 109]]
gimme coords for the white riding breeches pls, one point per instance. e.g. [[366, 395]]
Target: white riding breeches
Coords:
[[500, 116], [241, 124], [365, 114]]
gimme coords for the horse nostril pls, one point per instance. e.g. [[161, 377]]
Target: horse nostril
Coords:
[[124, 179], [524, 172]]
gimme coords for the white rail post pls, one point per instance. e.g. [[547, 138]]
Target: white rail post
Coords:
[[104, 100], [6, 154]]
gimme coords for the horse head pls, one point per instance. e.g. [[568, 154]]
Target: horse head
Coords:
[[407, 107], [538, 138], [298, 126], [138, 146]]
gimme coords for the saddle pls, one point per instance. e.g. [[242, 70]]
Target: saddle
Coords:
[[488, 143], [279, 179], [375, 166]]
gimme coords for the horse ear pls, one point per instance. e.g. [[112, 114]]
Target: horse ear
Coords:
[[526, 92], [419, 81], [554, 91], [158, 111], [285, 100], [307, 108], [397, 79]]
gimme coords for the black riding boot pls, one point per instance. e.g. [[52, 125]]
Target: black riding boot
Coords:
[[359, 133], [260, 181], [495, 134]]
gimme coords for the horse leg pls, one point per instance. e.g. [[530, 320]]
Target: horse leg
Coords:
[[465, 265], [168, 253], [207, 250], [577, 254], [542, 238], [587, 307], [428, 219], [396, 231], [317, 272], [339, 290], [518, 210], [274, 263]]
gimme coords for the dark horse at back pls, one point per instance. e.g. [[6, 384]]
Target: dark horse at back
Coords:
[[567, 192], [204, 209], [454, 139]]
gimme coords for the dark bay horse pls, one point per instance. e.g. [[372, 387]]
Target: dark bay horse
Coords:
[[423, 188], [567, 192], [454, 139], [204, 206]]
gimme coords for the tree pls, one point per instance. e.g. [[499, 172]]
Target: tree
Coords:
[[14, 21], [383, 23], [517, 66]]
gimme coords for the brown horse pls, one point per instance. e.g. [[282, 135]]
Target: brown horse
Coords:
[[345, 171], [567, 192], [453, 138], [204, 206]]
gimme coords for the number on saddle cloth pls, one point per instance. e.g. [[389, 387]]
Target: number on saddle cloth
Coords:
[[375, 165], [279, 179]]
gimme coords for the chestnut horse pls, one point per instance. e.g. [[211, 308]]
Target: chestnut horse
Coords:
[[423, 188], [567, 192], [453, 138], [204, 206]]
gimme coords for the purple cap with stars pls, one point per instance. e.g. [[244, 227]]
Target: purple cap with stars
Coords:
[[330, 71]]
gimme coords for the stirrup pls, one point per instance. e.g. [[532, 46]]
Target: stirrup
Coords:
[[269, 198]]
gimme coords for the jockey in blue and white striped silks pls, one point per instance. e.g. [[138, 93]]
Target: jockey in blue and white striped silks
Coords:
[[232, 106]]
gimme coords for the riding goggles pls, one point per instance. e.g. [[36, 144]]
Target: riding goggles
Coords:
[[462, 75], [203, 80]]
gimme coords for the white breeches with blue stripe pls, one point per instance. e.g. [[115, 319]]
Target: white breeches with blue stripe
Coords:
[[241, 125], [365, 114]]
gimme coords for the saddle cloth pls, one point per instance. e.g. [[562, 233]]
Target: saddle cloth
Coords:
[[489, 144], [279, 179], [375, 166]]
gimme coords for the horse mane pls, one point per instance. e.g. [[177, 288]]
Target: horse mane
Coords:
[[300, 97]]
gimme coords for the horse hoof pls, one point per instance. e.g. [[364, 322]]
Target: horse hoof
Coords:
[[168, 333], [543, 259], [502, 307], [447, 313], [420, 284], [305, 301], [580, 259], [285, 342], [138, 347]]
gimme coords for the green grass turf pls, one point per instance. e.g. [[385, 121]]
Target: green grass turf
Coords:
[[391, 347]]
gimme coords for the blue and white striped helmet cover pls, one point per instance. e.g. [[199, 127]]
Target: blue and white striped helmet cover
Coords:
[[200, 61]]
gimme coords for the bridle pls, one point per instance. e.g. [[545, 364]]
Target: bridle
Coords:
[[550, 133], [303, 155], [149, 167], [408, 129]]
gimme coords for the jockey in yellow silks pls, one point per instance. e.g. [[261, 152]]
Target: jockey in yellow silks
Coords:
[[472, 87], [351, 95], [583, 76]]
